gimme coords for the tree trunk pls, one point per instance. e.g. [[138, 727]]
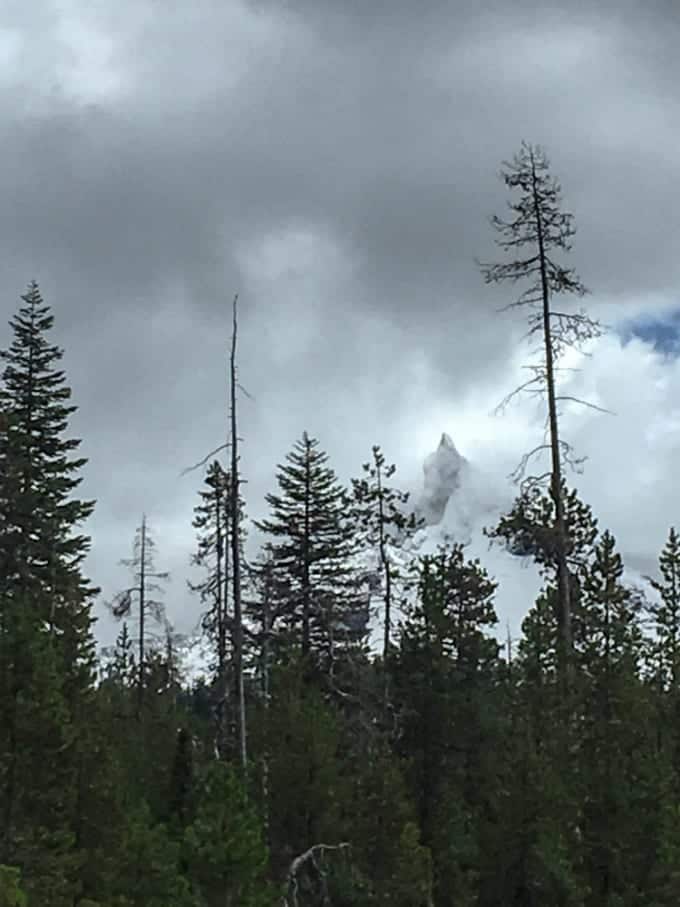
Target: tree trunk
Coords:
[[236, 557], [142, 609], [556, 467]]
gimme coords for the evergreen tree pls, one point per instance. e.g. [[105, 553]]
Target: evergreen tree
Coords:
[[225, 855], [444, 677], [666, 615], [541, 227], [40, 548], [214, 555], [310, 542], [528, 530], [612, 735], [383, 525], [46, 644], [146, 585]]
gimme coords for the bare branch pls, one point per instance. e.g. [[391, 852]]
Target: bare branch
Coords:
[[205, 459], [310, 856], [244, 391], [600, 409]]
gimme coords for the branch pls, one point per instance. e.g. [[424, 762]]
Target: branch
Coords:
[[518, 472], [526, 386], [578, 400], [244, 391], [204, 460], [309, 856]]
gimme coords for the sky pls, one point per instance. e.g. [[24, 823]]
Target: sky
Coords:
[[335, 163]]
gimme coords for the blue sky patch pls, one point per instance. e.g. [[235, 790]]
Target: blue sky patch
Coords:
[[660, 331]]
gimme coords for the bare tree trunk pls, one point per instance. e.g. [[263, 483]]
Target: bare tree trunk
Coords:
[[142, 609], [266, 695], [306, 583], [236, 554], [556, 466], [222, 576], [387, 574]]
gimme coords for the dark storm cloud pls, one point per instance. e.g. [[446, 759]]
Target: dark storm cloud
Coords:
[[375, 130]]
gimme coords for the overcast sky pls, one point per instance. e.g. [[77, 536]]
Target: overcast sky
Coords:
[[335, 163]]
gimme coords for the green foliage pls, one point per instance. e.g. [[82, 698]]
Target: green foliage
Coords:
[[444, 677], [665, 613], [223, 848], [383, 526], [11, 894], [310, 542], [474, 782], [148, 872]]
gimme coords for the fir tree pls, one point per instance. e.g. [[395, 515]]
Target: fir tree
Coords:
[[310, 542], [665, 615], [384, 525], [612, 736], [528, 530], [40, 548], [444, 676], [214, 555], [541, 227], [145, 586], [46, 644]]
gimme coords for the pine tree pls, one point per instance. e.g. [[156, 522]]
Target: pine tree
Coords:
[[223, 848], [214, 554], [145, 586], [46, 644], [40, 549], [612, 734], [539, 225], [444, 676], [383, 525], [666, 615], [311, 541], [528, 530]]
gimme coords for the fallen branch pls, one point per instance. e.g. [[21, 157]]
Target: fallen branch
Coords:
[[309, 856]]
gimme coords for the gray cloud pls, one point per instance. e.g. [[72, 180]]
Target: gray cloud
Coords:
[[336, 164]]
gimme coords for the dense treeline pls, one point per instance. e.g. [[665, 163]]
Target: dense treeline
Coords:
[[434, 772], [425, 768]]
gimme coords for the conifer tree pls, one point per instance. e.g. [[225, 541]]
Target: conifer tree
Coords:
[[612, 735], [223, 848], [146, 587], [528, 530], [46, 644], [214, 554], [444, 675], [539, 225], [666, 615], [40, 546], [383, 525], [310, 542]]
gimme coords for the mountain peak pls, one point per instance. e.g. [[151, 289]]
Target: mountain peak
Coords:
[[442, 470]]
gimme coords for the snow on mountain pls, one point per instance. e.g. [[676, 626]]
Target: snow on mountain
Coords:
[[443, 470], [467, 500], [457, 501]]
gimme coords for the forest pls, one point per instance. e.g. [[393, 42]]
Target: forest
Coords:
[[363, 735]]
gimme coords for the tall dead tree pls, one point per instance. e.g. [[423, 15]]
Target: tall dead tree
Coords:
[[538, 225], [235, 539], [146, 584]]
